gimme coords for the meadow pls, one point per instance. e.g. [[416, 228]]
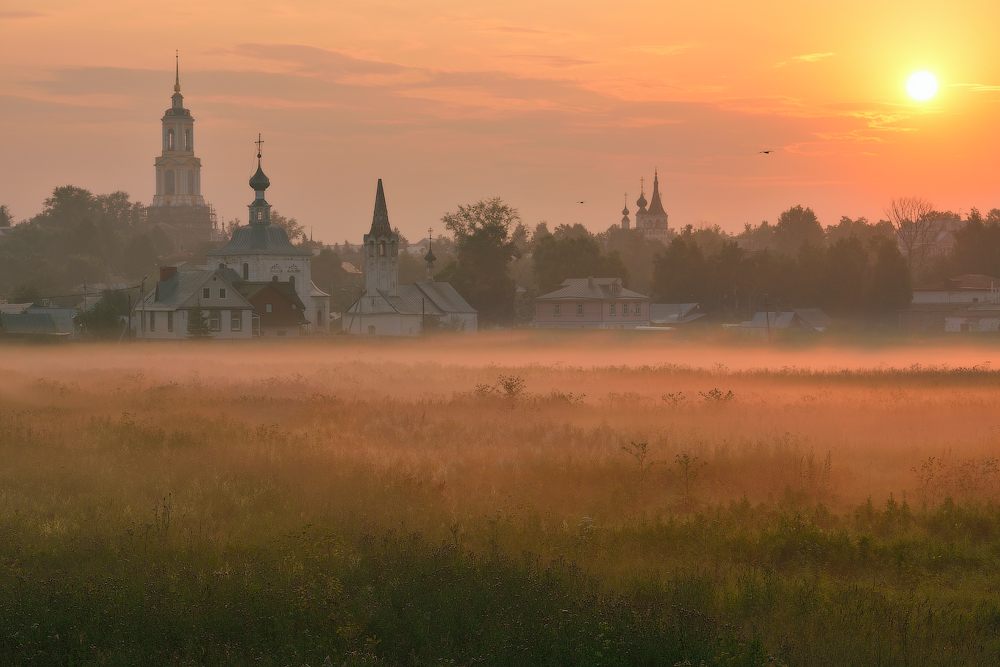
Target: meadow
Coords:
[[500, 500]]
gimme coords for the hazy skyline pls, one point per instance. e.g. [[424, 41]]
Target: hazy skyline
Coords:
[[542, 104]]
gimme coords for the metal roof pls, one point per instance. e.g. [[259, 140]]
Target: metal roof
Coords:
[[966, 281], [259, 240], [179, 288], [674, 313], [23, 323], [591, 288], [426, 298]]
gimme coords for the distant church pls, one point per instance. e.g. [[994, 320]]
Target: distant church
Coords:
[[652, 221], [387, 308], [179, 210]]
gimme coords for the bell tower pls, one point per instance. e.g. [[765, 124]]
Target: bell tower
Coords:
[[178, 171], [178, 208], [381, 251]]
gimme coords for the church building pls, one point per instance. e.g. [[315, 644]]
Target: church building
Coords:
[[387, 308], [652, 221], [179, 209], [260, 252]]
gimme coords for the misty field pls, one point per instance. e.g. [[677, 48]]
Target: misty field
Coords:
[[550, 500]]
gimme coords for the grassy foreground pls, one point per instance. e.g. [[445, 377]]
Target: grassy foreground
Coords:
[[353, 506]]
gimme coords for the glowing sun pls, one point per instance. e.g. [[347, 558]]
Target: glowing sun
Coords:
[[921, 86]]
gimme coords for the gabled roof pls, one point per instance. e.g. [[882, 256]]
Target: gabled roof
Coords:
[[259, 240], [814, 317], [420, 298], [179, 288], [966, 281], [14, 308], [675, 313], [248, 290], [591, 288], [775, 320]]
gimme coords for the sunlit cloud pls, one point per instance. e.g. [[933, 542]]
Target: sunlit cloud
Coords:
[[806, 58]]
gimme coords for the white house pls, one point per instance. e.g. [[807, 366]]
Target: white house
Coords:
[[164, 313]]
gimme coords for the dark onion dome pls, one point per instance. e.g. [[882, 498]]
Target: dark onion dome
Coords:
[[259, 181], [641, 201], [429, 257], [625, 210]]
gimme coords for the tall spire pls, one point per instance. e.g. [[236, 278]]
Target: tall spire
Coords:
[[177, 78], [655, 205], [380, 218], [429, 257]]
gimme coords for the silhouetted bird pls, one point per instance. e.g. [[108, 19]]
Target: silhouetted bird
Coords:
[[579, 202], [766, 151]]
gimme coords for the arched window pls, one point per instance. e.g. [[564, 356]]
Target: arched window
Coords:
[[191, 183], [381, 249], [170, 140], [187, 140], [222, 265], [169, 177], [274, 279], [246, 271], [291, 279]]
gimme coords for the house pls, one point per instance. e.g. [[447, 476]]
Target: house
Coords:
[[164, 313], [387, 308], [592, 303], [933, 304], [44, 318], [278, 311], [673, 314]]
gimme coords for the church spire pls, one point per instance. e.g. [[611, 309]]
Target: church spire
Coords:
[[625, 221], [655, 205], [380, 218], [429, 257], [260, 210], [177, 77]]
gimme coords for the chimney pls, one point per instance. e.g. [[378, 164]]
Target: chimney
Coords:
[[166, 272]]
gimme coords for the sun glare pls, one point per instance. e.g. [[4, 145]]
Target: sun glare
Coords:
[[921, 86]]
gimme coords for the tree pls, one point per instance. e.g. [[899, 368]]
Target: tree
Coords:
[[484, 253], [915, 227], [104, 319], [555, 260], [681, 274], [291, 226], [861, 228], [797, 226], [636, 251], [6, 219], [198, 324], [891, 286], [67, 206], [977, 244]]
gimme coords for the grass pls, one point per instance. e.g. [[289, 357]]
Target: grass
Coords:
[[433, 502]]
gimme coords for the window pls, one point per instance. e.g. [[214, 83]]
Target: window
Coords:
[[274, 279], [215, 320], [637, 309], [170, 321], [381, 249], [579, 310], [624, 309], [246, 271], [557, 309], [206, 292], [371, 328], [170, 140], [291, 279], [222, 292], [188, 144], [169, 184], [236, 320], [191, 183], [152, 321], [611, 309], [319, 317], [267, 308]]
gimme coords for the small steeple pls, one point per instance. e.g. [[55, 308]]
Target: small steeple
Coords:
[[625, 221], [641, 201], [260, 210], [177, 78], [429, 257]]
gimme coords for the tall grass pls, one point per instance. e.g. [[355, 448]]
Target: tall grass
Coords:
[[254, 505]]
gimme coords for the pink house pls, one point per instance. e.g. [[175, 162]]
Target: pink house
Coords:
[[592, 303]]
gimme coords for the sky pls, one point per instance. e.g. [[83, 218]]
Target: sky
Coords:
[[545, 104]]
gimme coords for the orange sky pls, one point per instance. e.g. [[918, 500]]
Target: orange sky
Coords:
[[542, 103]]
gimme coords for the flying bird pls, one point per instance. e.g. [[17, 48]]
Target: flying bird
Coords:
[[768, 151], [579, 202]]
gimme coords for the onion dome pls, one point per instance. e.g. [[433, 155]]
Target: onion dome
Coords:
[[259, 181], [641, 201], [429, 257]]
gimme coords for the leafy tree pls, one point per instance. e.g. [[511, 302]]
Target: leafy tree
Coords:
[[681, 274], [556, 259], [891, 286], [846, 278], [541, 231], [575, 230], [485, 251], [797, 226], [67, 206], [636, 251], [198, 325], [861, 228], [977, 244], [295, 231], [6, 219]]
